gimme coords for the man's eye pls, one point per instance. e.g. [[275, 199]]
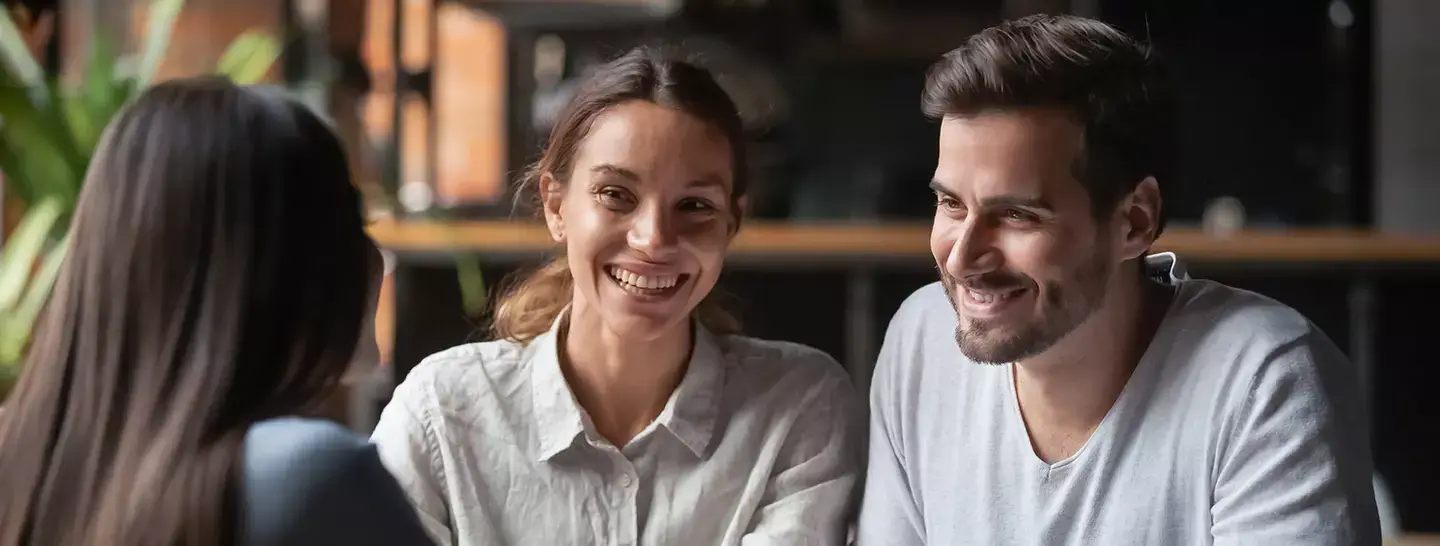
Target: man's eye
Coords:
[[1016, 215]]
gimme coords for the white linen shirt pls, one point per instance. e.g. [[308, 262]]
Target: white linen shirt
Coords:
[[761, 443]]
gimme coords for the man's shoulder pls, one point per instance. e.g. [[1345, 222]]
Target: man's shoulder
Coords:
[[1213, 316], [1240, 340], [926, 309], [919, 351], [1234, 309]]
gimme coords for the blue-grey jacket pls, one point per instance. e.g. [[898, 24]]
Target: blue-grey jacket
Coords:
[[314, 483]]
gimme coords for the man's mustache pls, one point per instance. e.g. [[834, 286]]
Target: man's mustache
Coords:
[[988, 281]]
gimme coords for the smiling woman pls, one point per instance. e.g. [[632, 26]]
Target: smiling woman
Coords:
[[621, 118], [616, 400]]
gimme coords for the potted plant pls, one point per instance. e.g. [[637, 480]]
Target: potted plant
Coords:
[[49, 130]]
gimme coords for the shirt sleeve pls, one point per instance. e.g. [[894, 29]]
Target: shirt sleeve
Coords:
[[889, 515], [318, 485], [1295, 466], [407, 446], [809, 499]]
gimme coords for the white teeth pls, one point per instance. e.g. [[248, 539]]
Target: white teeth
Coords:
[[986, 298], [651, 282], [982, 297]]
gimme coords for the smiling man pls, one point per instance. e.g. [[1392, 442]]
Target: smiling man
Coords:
[[1058, 385]]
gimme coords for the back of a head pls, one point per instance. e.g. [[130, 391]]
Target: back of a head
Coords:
[[1111, 83], [216, 275]]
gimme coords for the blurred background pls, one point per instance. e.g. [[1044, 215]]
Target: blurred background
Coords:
[[1309, 171]]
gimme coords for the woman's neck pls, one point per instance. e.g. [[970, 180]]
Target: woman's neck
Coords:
[[623, 384]]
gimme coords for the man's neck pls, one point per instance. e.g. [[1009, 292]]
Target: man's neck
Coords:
[[1066, 392], [622, 384]]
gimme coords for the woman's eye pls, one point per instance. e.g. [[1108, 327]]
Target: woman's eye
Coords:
[[696, 205], [612, 197]]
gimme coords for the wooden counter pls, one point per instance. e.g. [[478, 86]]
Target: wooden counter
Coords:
[[910, 241], [1414, 539]]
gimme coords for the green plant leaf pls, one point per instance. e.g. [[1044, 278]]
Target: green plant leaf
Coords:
[[17, 177], [42, 164], [15, 55], [102, 93], [249, 58], [472, 284], [160, 25], [23, 77], [21, 322], [17, 259]]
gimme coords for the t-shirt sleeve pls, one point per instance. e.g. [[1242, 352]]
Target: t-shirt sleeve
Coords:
[[319, 484], [889, 514], [1294, 465]]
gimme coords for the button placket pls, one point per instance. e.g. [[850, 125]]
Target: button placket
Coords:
[[625, 501]]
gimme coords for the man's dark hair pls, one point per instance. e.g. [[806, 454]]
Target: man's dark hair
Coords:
[[1109, 81]]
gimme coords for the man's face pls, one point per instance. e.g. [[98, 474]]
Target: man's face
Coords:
[[1021, 257]]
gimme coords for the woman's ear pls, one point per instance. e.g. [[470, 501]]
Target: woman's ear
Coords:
[[552, 194], [1140, 218]]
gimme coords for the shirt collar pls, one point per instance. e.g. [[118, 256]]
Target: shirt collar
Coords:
[[694, 406], [689, 415], [558, 416]]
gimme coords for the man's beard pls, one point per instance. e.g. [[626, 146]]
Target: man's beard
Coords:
[[1066, 306]]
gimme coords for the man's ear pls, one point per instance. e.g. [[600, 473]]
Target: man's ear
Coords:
[[1139, 216], [552, 195]]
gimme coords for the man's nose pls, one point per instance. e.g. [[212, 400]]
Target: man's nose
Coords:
[[973, 251]]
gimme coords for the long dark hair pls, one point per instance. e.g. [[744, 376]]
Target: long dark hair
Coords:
[[217, 275], [533, 301]]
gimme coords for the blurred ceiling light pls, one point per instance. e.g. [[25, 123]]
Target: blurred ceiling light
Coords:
[[312, 13], [1340, 14]]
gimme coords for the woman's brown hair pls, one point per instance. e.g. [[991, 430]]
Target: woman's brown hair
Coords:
[[217, 275], [535, 299]]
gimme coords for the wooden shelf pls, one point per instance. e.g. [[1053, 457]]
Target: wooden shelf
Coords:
[[796, 241]]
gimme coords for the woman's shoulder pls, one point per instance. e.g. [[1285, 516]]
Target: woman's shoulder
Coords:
[[304, 479], [463, 375], [784, 361], [293, 454], [789, 353], [458, 364]]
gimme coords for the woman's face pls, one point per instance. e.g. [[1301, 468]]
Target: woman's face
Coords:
[[367, 352], [646, 217]]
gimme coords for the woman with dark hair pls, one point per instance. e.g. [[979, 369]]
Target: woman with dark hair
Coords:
[[217, 281], [619, 404]]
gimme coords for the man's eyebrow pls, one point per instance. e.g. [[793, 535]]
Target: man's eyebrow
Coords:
[[938, 187], [1016, 201]]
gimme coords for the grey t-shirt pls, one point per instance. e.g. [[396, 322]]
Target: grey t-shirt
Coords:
[[1242, 424], [313, 483]]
